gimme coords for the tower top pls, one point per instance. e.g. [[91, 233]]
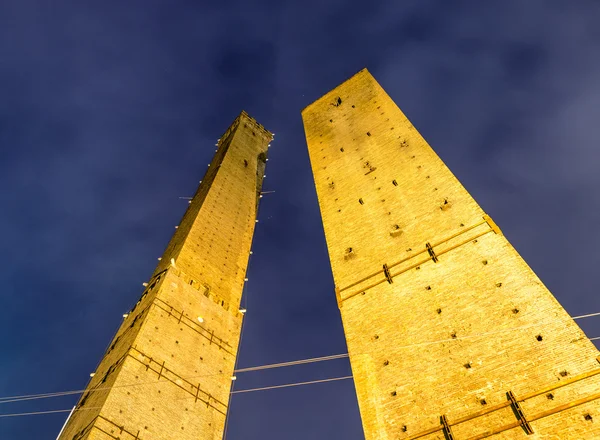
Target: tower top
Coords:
[[332, 92], [244, 116]]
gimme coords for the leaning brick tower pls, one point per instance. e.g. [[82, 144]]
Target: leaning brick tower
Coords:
[[450, 333], [168, 370]]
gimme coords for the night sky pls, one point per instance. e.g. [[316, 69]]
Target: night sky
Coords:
[[109, 112]]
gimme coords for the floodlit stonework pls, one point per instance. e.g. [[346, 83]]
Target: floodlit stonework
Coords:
[[168, 371], [450, 333]]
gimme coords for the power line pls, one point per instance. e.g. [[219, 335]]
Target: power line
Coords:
[[287, 385], [34, 413], [296, 384], [291, 363], [10, 399]]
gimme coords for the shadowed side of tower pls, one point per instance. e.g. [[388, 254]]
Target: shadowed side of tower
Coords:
[[450, 334], [168, 371]]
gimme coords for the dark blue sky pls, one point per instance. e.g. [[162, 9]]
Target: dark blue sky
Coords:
[[109, 113]]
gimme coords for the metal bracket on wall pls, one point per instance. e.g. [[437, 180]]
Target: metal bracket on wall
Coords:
[[388, 275], [493, 226], [447, 428], [431, 252], [520, 414]]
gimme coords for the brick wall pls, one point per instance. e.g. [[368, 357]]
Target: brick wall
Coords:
[[429, 338], [168, 371]]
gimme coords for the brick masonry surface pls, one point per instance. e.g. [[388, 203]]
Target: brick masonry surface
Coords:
[[442, 316], [168, 371]]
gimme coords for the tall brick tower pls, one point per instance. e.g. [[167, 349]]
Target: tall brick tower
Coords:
[[168, 371], [450, 334]]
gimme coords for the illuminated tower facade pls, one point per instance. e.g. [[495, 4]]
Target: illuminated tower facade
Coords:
[[168, 371], [450, 333]]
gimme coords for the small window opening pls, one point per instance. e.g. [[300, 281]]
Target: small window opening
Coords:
[[394, 183], [453, 335], [342, 149], [439, 311], [483, 402], [484, 262], [191, 282], [428, 288], [588, 417], [338, 101], [539, 338], [564, 373], [498, 284], [331, 120], [550, 396], [376, 337], [361, 201], [368, 133], [404, 428], [468, 365], [394, 393], [515, 310], [386, 363], [353, 106]]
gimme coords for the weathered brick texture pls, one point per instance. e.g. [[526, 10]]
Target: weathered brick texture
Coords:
[[167, 373], [441, 314]]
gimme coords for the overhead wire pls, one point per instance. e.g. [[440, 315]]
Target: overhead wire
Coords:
[[18, 398], [295, 384], [10, 399], [287, 385], [52, 411]]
